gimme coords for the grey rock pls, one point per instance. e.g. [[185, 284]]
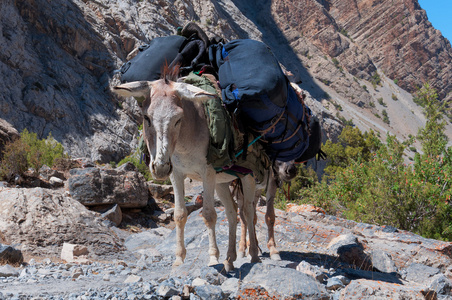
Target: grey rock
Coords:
[[209, 292], [94, 186], [159, 190], [212, 276], [167, 289], [42, 219], [340, 241], [114, 214], [230, 286], [420, 273], [441, 285], [283, 281], [311, 270], [354, 254], [8, 271], [382, 262], [147, 239], [334, 283]]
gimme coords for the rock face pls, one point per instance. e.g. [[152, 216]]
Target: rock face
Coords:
[[394, 37], [58, 60]]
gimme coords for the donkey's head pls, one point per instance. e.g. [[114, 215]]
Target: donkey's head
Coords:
[[286, 171], [162, 105]]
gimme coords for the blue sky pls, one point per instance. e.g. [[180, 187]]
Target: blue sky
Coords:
[[439, 14]]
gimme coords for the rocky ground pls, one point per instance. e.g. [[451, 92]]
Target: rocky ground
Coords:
[[55, 248]]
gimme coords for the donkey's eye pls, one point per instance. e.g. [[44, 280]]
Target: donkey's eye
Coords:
[[178, 122], [146, 118]]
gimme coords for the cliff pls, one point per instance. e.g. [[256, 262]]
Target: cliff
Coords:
[[58, 60]]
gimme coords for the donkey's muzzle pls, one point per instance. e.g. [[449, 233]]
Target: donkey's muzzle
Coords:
[[161, 171]]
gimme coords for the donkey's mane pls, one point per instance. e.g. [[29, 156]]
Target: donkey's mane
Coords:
[[170, 74]]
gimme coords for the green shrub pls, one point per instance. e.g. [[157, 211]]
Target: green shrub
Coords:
[[29, 152], [141, 166], [376, 80], [381, 102], [394, 97], [385, 116], [370, 182]]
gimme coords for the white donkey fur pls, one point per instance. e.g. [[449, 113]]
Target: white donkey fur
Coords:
[[176, 133]]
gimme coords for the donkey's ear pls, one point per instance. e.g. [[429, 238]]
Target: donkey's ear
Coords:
[[140, 90], [189, 91]]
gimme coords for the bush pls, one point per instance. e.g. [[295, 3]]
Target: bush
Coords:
[[29, 152], [141, 166], [369, 181]]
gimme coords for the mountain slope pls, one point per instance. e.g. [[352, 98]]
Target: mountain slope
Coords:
[[58, 60]]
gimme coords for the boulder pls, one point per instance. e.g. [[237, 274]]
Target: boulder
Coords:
[[42, 220], [74, 253], [95, 186], [10, 255]]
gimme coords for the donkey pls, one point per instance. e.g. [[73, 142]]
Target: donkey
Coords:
[[279, 173], [176, 134]]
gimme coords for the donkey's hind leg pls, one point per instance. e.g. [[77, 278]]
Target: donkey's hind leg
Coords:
[[249, 208], [270, 220], [230, 206]]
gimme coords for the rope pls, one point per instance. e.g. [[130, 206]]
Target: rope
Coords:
[[241, 151]]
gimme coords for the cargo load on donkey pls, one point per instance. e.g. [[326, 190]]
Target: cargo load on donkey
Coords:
[[187, 49], [255, 90], [261, 100]]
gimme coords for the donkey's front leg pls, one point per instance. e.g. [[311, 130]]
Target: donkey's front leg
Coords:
[[180, 215], [209, 214], [270, 219]]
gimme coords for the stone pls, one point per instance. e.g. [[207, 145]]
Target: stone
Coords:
[[230, 286], [420, 273], [74, 253], [159, 191], [167, 289], [382, 262], [76, 273], [209, 292], [274, 280], [114, 214], [8, 271], [94, 186], [41, 220], [199, 281], [146, 239], [441, 285], [311, 270], [56, 182], [374, 289], [354, 255], [10, 255], [334, 283], [133, 278], [212, 276]]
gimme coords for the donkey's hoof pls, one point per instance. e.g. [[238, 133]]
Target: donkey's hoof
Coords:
[[179, 261], [255, 260], [213, 261], [275, 256], [228, 266]]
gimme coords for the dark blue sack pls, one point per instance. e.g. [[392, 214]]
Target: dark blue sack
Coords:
[[148, 63], [258, 94]]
